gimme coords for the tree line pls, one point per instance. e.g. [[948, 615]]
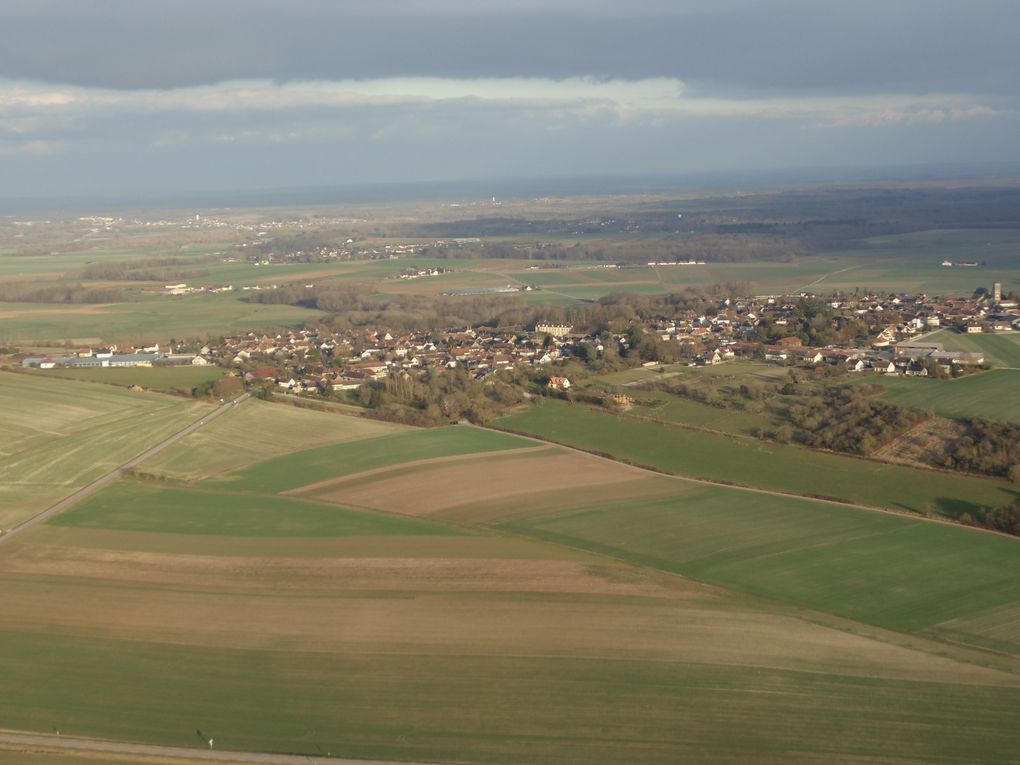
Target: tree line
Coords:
[[353, 305], [992, 448], [34, 292]]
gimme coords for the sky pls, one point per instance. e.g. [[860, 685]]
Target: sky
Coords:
[[150, 97]]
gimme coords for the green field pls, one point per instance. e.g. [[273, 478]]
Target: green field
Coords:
[[751, 462], [255, 431], [988, 395], [147, 320], [1000, 349], [666, 407], [499, 709], [884, 569], [298, 469], [57, 435], [159, 378], [134, 506], [151, 612]]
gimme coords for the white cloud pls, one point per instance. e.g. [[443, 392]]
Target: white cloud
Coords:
[[626, 99], [30, 148], [443, 114]]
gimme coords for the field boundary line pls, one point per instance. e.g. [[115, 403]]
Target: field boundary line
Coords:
[[870, 458], [329, 483], [743, 487], [104, 480]]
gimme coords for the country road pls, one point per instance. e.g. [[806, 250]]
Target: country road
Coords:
[[78, 495], [38, 742]]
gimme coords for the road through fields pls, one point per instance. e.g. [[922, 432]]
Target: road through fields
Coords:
[[43, 743], [77, 496]]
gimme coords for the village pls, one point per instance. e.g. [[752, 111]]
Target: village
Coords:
[[319, 362]]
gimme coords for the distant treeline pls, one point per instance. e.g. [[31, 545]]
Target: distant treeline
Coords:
[[710, 248], [806, 220], [354, 305], [32, 292], [145, 270]]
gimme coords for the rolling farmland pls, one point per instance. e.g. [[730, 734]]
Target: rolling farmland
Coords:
[[134, 506], [256, 431], [465, 595], [298, 469], [145, 319], [798, 550], [58, 435], [584, 579], [751, 462], [168, 379]]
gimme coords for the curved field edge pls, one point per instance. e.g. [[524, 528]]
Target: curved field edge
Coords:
[[883, 569], [134, 506], [256, 431], [302, 468], [887, 569], [753, 463]]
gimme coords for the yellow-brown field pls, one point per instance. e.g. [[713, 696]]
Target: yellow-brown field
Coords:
[[58, 435], [255, 431]]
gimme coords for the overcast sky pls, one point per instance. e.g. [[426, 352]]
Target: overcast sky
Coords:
[[170, 96]]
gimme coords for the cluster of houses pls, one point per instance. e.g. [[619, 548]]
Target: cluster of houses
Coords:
[[307, 361], [418, 273], [350, 250], [907, 358], [184, 289], [318, 361], [893, 317]]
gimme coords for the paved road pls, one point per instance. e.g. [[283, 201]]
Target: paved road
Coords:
[[39, 742], [80, 494]]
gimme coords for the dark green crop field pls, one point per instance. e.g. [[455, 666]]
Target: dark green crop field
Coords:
[[993, 395], [884, 569], [751, 462]]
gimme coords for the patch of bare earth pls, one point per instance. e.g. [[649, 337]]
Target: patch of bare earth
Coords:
[[495, 478], [924, 444]]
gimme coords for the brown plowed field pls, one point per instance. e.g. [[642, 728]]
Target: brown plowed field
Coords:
[[499, 478]]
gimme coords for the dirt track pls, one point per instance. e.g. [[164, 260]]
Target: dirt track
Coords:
[[34, 742]]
